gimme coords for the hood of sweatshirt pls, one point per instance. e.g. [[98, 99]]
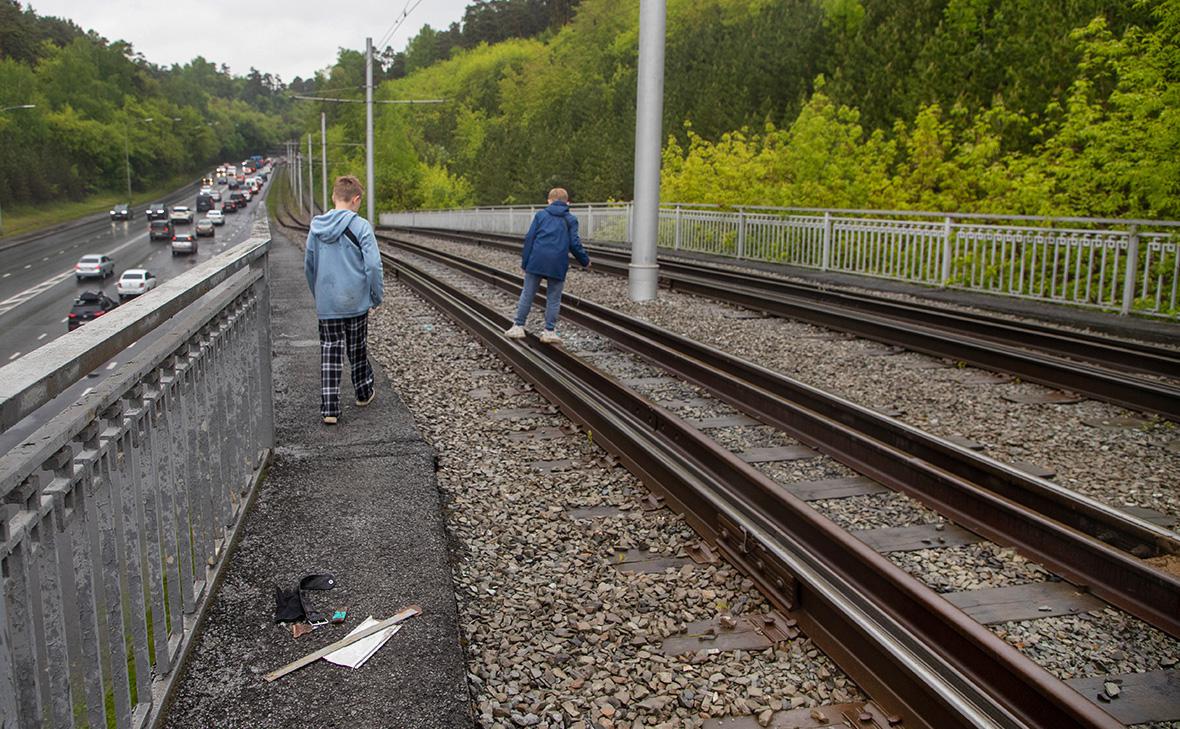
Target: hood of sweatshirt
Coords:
[[330, 226], [558, 208]]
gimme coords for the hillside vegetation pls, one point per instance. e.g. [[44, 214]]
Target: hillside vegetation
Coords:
[[93, 99], [1067, 107]]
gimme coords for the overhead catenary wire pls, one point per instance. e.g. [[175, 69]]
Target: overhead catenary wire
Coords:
[[397, 24]]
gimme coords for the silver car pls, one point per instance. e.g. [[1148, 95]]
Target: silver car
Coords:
[[94, 265], [133, 282]]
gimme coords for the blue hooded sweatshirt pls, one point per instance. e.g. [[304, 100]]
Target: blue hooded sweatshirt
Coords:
[[549, 242], [345, 279]]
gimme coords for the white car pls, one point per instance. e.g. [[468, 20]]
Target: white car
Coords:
[[135, 281], [216, 217], [181, 214], [94, 266]]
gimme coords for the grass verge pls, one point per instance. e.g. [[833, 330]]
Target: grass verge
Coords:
[[27, 218]]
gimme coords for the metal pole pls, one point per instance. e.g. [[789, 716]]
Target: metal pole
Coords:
[[127, 161], [644, 274], [324, 156], [299, 175], [370, 192], [310, 177]]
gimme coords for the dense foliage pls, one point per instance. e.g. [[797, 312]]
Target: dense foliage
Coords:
[[1019, 106], [93, 101]]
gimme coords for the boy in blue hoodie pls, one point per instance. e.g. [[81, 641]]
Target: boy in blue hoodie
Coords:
[[552, 237], [343, 270]]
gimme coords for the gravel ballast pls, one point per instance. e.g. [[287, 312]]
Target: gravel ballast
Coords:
[[1123, 467], [927, 397], [556, 635]]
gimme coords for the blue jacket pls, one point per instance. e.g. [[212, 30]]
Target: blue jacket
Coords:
[[549, 242], [345, 280]]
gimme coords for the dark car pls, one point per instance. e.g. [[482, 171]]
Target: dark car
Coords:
[[238, 198], [88, 306], [204, 202], [229, 206], [156, 211], [233, 183], [161, 229], [122, 211]]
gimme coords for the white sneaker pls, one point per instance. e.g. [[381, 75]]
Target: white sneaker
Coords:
[[550, 337], [516, 331]]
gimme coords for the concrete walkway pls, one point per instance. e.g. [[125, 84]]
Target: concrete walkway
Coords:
[[358, 500]]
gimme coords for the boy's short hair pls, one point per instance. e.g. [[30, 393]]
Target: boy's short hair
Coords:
[[559, 193], [346, 188]]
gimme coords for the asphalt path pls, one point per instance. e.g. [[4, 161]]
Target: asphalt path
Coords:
[[38, 288]]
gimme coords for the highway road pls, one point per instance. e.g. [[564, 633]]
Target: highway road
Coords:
[[37, 285]]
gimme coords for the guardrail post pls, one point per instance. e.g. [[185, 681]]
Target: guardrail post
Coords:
[[630, 223], [826, 260], [676, 230], [589, 221], [741, 234], [945, 276], [1132, 271]]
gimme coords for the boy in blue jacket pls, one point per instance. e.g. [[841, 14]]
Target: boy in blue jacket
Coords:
[[552, 237], [343, 270]]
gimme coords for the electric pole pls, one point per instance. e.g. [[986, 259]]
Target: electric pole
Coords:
[[644, 273], [370, 191], [324, 155]]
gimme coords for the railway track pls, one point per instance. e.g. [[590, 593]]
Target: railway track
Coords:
[[1093, 365], [903, 643]]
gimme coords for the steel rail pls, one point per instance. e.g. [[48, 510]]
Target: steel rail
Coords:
[[1043, 521], [896, 637], [1080, 347]]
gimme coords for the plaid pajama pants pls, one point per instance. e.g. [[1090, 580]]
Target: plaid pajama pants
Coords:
[[338, 336]]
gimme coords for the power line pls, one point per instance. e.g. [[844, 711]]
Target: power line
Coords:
[[397, 24], [375, 101]]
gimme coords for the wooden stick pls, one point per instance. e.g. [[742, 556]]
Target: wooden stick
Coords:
[[409, 612]]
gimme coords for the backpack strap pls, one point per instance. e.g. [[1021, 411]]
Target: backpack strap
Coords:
[[350, 235]]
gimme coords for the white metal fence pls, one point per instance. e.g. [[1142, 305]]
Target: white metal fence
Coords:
[[1121, 265]]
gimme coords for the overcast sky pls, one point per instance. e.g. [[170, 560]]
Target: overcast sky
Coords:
[[285, 37]]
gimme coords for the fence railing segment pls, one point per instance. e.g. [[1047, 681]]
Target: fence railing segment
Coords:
[[1125, 266], [118, 513]]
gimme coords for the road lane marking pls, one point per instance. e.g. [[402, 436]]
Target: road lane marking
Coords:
[[14, 301], [14, 356], [6, 275], [86, 391], [46, 258], [63, 321], [27, 267], [43, 335], [112, 366]]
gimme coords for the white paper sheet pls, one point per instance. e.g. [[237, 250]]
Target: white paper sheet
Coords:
[[355, 655]]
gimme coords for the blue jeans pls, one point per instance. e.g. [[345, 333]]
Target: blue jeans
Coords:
[[552, 299]]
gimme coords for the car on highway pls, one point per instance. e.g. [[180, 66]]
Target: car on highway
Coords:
[[156, 211], [133, 282], [216, 195], [216, 217], [248, 194], [229, 206], [87, 307], [238, 199], [161, 229], [94, 265], [184, 243], [204, 227], [122, 211], [204, 202], [181, 214], [233, 184]]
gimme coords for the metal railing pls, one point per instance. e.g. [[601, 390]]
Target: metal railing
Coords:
[[1112, 264], [118, 513]]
